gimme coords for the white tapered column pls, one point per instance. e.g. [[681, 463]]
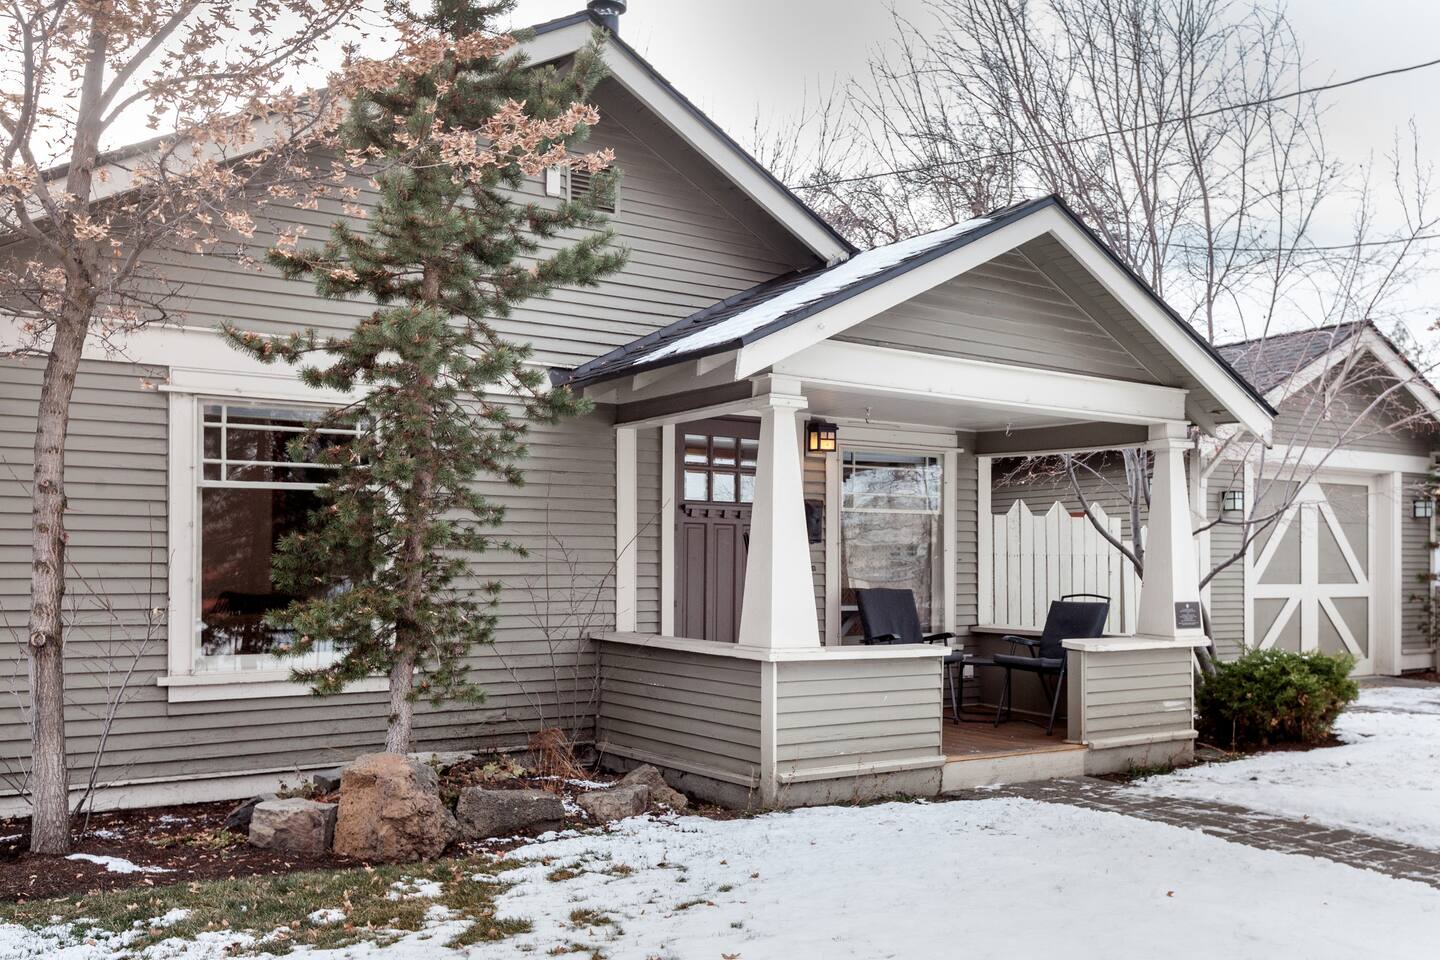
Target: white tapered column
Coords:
[[778, 609], [1170, 591]]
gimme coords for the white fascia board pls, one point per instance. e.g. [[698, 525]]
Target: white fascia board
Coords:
[[741, 169], [1394, 364], [840, 317], [873, 369], [1279, 459], [1196, 360]]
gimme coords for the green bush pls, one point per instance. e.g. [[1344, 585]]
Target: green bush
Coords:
[[1275, 696]]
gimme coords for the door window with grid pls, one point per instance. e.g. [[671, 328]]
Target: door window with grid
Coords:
[[720, 469], [890, 527]]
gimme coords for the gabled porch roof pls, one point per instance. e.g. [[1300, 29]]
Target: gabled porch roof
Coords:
[[768, 323]]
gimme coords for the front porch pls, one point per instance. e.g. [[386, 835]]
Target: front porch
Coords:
[[735, 663]]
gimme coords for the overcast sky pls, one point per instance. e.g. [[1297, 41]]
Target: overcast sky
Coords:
[[737, 59]]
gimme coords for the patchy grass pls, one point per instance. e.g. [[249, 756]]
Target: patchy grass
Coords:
[[276, 909], [590, 918]]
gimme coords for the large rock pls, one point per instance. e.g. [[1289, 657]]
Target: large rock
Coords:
[[502, 813], [390, 810], [616, 803], [239, 818], [293, 824], [660, 791]]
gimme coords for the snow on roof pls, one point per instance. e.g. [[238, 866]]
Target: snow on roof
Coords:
[[824, 284]]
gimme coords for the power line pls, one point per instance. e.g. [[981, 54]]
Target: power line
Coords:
[[1136, 128]]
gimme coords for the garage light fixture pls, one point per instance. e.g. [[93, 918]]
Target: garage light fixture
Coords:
[[1233, 501], [1423, 508]]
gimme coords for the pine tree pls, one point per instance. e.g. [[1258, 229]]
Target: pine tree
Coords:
[[384, 566]]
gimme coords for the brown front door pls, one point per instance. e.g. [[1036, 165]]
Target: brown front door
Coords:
[[714, 488]]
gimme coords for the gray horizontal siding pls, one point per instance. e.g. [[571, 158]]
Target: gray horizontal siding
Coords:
[[1227, 589], [1134, 693], [687, 710], [537, 673], [1006, 311], [1414, 568], [1357, 418], [855, 712], [693, 240]]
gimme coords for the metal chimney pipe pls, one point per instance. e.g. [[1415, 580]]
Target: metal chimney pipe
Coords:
[[608, 13]]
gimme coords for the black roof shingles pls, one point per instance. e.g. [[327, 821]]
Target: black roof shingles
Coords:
[[1269, 361]]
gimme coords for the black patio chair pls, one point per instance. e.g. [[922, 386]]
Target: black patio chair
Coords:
[[1068, 619], [888, 615]]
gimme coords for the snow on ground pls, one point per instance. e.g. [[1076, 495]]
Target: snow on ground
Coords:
[[116, 864], [984, 878], [1383, 780]]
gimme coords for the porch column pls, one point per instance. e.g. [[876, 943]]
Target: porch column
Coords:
[[1170, 590], [778, 609]]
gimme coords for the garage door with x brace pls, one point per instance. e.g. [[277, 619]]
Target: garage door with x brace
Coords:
[[1310, 583]]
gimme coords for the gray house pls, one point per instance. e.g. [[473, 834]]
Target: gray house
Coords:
[[780, 419]]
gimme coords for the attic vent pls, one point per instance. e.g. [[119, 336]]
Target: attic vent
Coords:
[[581, 185]]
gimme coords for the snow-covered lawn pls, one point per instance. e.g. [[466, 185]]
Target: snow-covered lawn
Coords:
[[1384, 780], [998, 877]]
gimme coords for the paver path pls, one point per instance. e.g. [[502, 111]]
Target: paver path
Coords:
[[1236, 824]]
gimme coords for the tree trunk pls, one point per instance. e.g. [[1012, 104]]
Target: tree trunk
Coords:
[[402, 708], [50, 820]]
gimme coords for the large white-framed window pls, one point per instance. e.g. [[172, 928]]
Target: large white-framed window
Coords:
[[235, 490], [892, 527], [890, 508]]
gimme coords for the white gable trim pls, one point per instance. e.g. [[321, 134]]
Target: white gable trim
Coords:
[[836, 319], [741, 169], [1376, 345]]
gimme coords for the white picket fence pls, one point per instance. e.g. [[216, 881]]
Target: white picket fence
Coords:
[[1037, 559]]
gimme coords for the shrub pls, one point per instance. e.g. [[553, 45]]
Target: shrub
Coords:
[[1275, 696]]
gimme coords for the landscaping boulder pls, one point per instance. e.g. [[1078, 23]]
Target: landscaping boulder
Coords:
[[293, 824], [502, 813], [390, 810], [660, 791], [616, 803], [239, 818]]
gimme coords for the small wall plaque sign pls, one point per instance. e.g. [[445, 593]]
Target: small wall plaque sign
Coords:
[[1187, 615]]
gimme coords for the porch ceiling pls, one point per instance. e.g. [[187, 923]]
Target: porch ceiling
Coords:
[[844, 404]]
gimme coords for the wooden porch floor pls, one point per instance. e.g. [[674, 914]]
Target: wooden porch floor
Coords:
[[974, 741]]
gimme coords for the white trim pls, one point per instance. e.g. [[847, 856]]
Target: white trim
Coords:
[[263, 684], [949, 507], [857, 769], [1396, 365], [626, 528], [985, 541], [741, 169], [1247, 562], [771, 350], [1331, 460], [1387, 577], [667, 528], [1128, 644], [873, 369], [833, 615], [714, 648]]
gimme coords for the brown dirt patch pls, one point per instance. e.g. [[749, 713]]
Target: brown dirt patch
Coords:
[[189, 842]]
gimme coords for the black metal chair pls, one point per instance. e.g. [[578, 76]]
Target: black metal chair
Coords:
[[1067, 619], [888, 615]]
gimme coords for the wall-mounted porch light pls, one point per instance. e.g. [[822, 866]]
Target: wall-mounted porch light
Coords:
[[821, 437], [1423, 508], [1233, 501]]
